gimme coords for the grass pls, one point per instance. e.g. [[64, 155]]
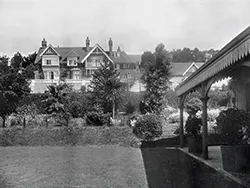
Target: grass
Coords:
[[88, 166]]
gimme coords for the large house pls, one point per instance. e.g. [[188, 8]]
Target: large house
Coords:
[[181, 70], [76, 64]]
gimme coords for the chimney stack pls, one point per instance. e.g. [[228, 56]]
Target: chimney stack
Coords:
[[87, 44], [44, 43], [110, 47]]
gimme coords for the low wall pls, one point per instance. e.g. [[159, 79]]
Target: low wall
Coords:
[[170, 167]]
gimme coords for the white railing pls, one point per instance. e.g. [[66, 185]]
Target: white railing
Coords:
[[69, 81]]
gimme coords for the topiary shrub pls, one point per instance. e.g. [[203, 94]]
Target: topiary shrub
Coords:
[[148, 127]]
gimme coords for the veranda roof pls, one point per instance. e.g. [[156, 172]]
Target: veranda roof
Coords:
[[230, 54]]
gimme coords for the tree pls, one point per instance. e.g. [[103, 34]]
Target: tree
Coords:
[[156, 78], [106, 87], [56, 101], [29, 66], [146, 59], [13, 86]]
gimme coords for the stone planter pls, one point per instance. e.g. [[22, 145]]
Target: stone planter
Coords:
[[236, 158], [194, 144]]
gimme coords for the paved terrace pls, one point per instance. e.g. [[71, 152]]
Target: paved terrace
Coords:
[[215, 162]]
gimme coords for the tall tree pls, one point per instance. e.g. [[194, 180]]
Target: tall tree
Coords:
[[106, 87], [156, 78], [29, 66], [13, 86]]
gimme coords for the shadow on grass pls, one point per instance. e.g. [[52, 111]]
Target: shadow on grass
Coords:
[[172, 168]]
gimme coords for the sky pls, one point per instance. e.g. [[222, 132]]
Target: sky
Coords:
[[134, 25]]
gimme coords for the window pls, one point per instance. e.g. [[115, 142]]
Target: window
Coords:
[[72, 62], [76, 75], [48, 61]]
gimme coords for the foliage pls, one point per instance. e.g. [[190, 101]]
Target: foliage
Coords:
[[130, 97], [212, 114], [171, 99], [193, 125], [13, 86], [156, 78], [55, 102], [234, 124], [175, 117], [97, 117], [148, 127], [193, 105], [29, 65], [192, 55], [63, 136], [25, 111], [221, 97], [106, 87], [130, 108]]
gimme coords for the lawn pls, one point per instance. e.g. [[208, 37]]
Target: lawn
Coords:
[[81, 166]]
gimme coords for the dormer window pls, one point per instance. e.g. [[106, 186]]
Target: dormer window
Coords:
[[72, 62]]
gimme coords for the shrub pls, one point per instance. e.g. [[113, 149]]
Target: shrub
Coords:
[[148, 127], [97, 117], [193, 105], [234, 124], [193, 125], [175, 117], [130, 108], [212, 114]]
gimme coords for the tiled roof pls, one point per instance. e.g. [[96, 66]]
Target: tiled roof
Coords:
[[82, 52], [178, 68], [135, 58], [64, 51], [122, 58]]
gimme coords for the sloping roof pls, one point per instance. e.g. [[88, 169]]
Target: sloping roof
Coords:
[[179, 68], [230, 54], [122, 58], [63, 52], [91, 51], [136, 58], [82, 53]]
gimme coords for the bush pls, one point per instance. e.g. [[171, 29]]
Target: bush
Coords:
[[97, 117], [193, 105], [130, 108], [175, 117], [234, 124], [212, 114], [148, 127]]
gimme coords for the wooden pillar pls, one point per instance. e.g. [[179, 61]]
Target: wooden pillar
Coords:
[[181, 126], [204, 100]]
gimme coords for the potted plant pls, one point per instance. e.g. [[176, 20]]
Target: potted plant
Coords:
[[193, 126], [234, 127], [194, 138]]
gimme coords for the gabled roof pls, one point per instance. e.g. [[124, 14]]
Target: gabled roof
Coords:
[[64, 51], [72, 53], [180, 68], [83, 53], [91, 51], [49, 47]]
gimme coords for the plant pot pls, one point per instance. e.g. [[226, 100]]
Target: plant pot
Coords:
[[194, 144], [236, 158]]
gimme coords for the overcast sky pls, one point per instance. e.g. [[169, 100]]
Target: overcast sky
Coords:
[[135, 25]]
